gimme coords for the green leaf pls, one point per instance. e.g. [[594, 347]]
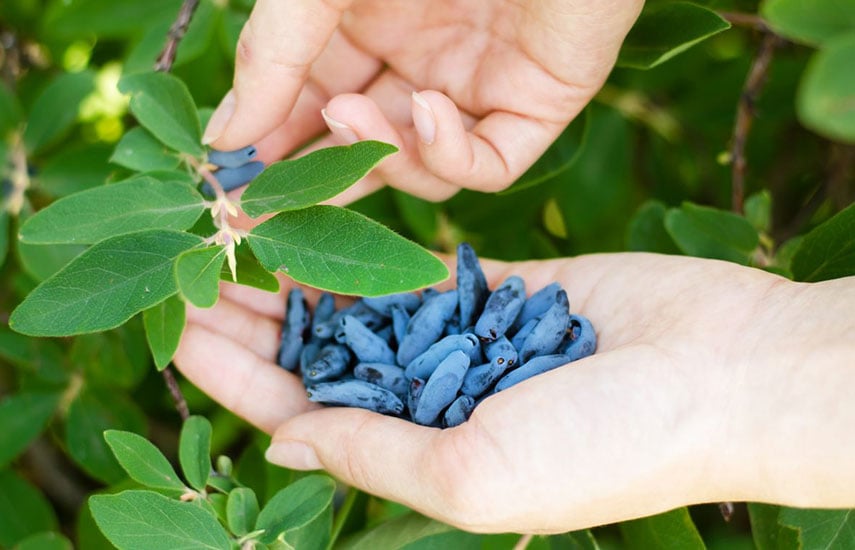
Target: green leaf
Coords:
[[113, 358], [575, 540], [105, 286], [646, 231], [45, 541], [399, 532], [10, 111], [318, 176], [295, 506], [242, 510], [250, 272], [144, 520], [42, 358], [666, 29], [827, 252], [194, 451], [24, 511], [558, 158], [421, 216], [674, 529], [55, 109], [91, 413], [4, 234], [23, 417], [758, 210], [141, 151], [163, 105], [127, 207], [826, 96], [143, 462], [341, 251], [164, 323], [315, 535], [108, 18], [813, 22], [74, 169], [767, 533], [198, 275], [712, 233], [41, 262], [821, 529]]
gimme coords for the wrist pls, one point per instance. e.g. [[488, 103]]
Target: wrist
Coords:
[[787, 437]]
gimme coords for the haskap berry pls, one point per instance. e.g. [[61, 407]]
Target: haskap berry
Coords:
[[431, 358]]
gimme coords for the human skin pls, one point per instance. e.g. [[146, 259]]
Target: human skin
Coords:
[[712, 382], [496, 82]]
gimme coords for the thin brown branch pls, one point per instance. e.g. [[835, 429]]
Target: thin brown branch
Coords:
[[747, 20], [10, 58], [174, 36], [727, 510], [177, 395], [745, 116]]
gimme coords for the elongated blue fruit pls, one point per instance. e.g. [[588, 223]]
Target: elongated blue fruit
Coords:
[[232, 159], [502, 350], [429, 293], [324, 309], [547, 334], [426, 363], [519, 338], [386, 334], [471, 285], [536, 366], [581, 339], [331, 363], [293, 330], [386, 376], [502, 307], [383, 304], [366, 316], [426, 325], [453, 325], [479, 378], [309, 354], [367, 346], [356, 393], [232, 178], [458, 412], [400, 320], [417, 386], [537, 304], [441, 388]]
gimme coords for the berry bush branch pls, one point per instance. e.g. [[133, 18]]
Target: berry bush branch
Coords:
[[745, 115], [174, 36]]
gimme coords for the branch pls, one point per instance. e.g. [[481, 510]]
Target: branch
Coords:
[[174, 36], [744, 116], [747, 20], [177, 396]]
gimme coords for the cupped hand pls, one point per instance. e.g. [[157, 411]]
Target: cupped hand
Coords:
[[697, 359], [495, 82]]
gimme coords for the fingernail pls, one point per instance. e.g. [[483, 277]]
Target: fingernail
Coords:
[[220, 118], [423, 119], [293, 454], [340, 129]]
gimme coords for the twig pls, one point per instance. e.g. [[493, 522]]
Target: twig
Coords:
[[745, 115], [177, 395], [174, 36], [748, 20], [727, 510], [523, 542], [164, 63], [10, 60]]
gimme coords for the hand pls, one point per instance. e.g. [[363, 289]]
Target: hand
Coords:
[[711, 382], [496, 82]]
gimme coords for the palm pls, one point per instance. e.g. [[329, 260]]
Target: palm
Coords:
[[665, 326]]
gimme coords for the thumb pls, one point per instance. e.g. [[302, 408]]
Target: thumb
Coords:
[[389, 457], [277, 46]]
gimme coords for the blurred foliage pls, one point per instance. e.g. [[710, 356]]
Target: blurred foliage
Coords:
[[647, 167]]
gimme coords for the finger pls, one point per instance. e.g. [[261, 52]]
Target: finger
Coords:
[[243, 382], [498, 150], [355, 116], [229, 319], [276, 49]]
